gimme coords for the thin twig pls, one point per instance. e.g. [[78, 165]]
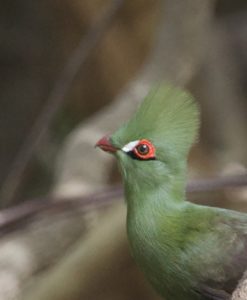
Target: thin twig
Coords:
[[55, 101], [219, 183], [19, 213]]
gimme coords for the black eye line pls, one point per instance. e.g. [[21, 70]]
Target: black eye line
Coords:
[[134, 156]]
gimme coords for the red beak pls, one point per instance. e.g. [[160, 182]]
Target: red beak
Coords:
[[106, 145]]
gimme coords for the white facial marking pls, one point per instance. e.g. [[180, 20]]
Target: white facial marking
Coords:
[[130, 146]]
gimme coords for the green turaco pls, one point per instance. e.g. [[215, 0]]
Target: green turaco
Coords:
[[187, 251]]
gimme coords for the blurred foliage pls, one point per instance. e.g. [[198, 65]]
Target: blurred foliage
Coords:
[[224, 7], [38, 37]]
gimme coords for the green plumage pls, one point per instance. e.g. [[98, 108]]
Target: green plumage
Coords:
[[167, 116], [187, 251]]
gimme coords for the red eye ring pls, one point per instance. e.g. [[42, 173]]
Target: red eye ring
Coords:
[[144, 150]]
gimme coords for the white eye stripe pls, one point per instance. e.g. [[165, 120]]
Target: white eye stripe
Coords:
[[130, 146]]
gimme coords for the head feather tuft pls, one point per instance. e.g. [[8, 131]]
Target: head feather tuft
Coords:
[[168, 116]]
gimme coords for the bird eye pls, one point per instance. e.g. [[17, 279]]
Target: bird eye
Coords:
[[144, 150]]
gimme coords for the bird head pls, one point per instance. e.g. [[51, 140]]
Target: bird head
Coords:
[[153, 145]]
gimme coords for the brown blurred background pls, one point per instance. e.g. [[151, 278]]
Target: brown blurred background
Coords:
[[200, 45]]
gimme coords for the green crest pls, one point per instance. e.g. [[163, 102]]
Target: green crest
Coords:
[[168, 116]]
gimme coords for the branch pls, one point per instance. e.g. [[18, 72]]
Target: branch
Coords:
[[240, 293], [13, 216], [55, 101], [218, 183]]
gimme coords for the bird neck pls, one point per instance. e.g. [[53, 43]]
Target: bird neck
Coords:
[[159, 193]]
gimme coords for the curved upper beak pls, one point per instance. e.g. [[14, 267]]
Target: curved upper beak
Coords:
[[105, 144]]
